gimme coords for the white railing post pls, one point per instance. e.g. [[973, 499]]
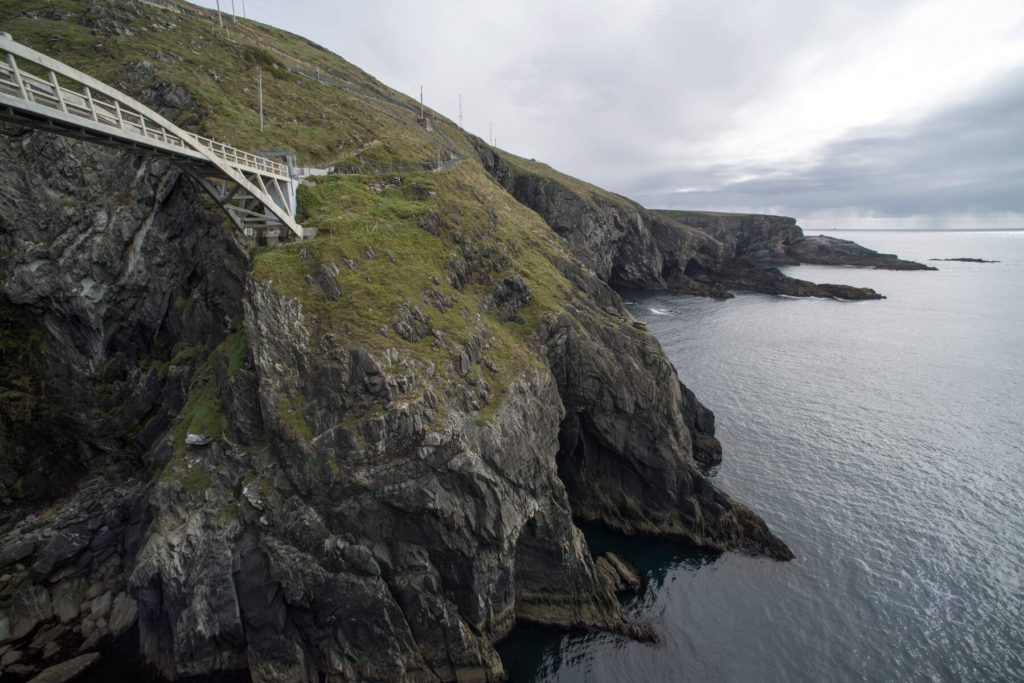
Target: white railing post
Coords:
[[92, 105], [17, 76], [56, 92]]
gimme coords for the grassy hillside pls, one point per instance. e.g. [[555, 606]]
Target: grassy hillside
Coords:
[[351, 117]]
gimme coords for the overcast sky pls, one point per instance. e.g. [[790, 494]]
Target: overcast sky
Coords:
[[843, 113]]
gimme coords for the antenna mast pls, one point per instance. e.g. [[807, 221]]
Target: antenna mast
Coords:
[[259, 87]]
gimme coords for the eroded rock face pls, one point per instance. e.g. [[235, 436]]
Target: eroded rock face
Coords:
[[628, 246], [617, 239], [109, 270], [759, 238]]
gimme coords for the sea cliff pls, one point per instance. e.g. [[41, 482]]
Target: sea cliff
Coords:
[[407, 415]]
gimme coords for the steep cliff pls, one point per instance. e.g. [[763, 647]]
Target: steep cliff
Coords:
[[778, 240], [761, 238], [627, 245], [407, 413]]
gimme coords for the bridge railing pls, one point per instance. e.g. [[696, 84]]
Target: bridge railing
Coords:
[[25, 85], [239, 157]]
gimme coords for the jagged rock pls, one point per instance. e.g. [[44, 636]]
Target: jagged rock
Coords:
[[362, 517], [509, 296], [621, 576], [430, 222], [67, 599], [627, 245], [760, 238], [410, 323], [327, 279], [198, 440], [99, 607], [47, 636], [707, 450], [30, 606], [16, 551], [67, 671], [61, 548]]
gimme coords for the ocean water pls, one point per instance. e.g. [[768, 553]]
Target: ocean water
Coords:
[[884, 442]]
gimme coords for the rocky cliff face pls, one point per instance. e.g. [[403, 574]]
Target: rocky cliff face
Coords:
[[686, 252], [760, 238], [616, 238], [365, 513], [778, 240]]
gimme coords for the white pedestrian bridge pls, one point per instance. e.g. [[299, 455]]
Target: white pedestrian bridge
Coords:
[[39, 92]]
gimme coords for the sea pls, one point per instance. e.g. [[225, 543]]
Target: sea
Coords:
[[883, 441]]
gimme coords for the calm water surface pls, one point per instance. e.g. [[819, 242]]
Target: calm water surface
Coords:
[[884, 441]]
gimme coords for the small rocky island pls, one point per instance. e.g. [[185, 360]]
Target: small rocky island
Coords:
[[964, 259]]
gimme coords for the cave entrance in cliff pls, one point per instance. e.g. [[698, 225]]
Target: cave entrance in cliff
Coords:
[[577, 449]]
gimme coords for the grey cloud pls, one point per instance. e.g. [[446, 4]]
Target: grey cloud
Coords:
[[967, 158]]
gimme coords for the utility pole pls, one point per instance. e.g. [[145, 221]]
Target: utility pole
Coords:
[[490, 132], [243, 9], [234, 17], [220, 19], [259, 87], [421, 101], [460, 110]]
